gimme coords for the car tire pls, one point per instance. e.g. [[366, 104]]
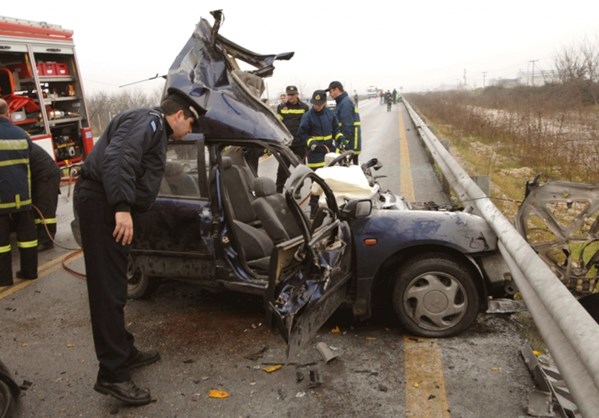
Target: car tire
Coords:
[[139, 284], [9, 393], [435, 295]]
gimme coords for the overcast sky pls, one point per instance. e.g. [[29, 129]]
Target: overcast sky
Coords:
[[413, 45]]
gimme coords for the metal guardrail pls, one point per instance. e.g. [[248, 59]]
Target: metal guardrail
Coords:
[[566, 327]]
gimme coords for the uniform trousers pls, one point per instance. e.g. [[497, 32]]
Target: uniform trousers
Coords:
[[44, 193], [106, 272], [26, 241]]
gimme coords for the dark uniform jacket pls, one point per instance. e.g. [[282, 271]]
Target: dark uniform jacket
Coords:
[[320, 133], [15, 179], [291, 115], [129, 159], [42, 165], [349, 120]]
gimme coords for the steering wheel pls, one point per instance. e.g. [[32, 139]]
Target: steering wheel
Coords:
[[344, 159]]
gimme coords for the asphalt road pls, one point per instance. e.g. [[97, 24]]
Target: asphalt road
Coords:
[[220, 342]]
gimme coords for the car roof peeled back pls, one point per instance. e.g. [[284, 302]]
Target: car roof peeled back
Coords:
[[207, 71]]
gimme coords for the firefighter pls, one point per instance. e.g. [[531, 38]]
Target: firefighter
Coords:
[[348, 117], [15, 200], [122, 176], [45, 188], [291, 113], [319, 131]]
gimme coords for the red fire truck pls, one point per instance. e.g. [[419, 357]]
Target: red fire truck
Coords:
[[40, 80]]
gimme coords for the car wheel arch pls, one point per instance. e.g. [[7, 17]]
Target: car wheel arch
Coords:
[[383, 279]]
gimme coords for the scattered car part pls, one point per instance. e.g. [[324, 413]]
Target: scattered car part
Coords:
[[548, 379], [560, 220]]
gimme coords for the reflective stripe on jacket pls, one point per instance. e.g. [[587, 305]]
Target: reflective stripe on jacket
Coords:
[[349, 121], [15, 176], [291, 115], [320, 128]]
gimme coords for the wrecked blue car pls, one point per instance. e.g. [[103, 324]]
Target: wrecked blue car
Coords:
[[219, 222]]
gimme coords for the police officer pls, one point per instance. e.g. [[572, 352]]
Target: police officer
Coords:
[[45, 188], [15, 200], [122, 176], [319, 131], [349, 118], [291, 113]]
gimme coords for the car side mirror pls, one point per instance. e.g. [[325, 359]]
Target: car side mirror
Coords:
[[357, 209]]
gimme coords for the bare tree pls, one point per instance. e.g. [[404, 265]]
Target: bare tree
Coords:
[[578, 67], [103, 107]]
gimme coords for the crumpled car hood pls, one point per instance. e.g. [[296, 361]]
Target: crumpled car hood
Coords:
[[206, 70]]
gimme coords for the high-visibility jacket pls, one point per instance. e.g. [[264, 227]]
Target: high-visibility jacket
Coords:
[[349, 121], [15, 176], [291, 115], [320, 133]]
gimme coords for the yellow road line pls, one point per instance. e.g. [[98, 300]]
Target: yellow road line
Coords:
[[425, 394], [425, 384], [43, 271], [406, 186]]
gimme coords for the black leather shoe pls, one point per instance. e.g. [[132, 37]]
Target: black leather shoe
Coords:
[[6, 283], [143, 358], [127, 392], [20, 276]]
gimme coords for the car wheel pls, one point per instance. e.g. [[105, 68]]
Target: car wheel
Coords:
[[435, 296], [9, 393], [139, 284]]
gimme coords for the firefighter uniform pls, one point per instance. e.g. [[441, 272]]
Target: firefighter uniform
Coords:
[[291, 115], [122, 173], [45, 188], [349, 122], [319, 132], [15, 202]]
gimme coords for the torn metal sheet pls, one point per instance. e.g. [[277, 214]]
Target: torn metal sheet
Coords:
[[548, 379], [540, 404], [560, 220], [506, 306]]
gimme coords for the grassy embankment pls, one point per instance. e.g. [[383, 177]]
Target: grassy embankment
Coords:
[[511, 135]]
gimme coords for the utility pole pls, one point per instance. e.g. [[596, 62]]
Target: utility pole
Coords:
[[533, 72], [465, 83], [484, 78]]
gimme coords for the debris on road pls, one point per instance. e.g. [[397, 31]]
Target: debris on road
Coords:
[[218, 394], [506, 306], [257, 355], [315, 379], [272, 369], [325, 352], [548, 380]]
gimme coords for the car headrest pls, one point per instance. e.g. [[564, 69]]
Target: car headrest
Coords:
[[264, 186], [226, 162]]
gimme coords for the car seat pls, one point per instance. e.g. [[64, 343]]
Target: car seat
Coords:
[[274, 213]]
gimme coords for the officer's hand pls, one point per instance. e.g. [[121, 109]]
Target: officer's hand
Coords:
[[123, 232]]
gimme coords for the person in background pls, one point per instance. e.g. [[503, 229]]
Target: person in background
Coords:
[[349, 119], [319, 132], [356, 98], [15, 200], [282, 100], [291, 114], [45, 188], [122, 176]]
